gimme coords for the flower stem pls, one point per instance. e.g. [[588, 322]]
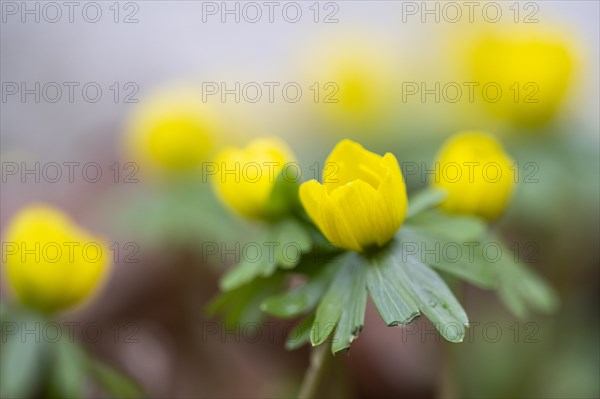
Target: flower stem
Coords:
[[319, 360], [447, 388]]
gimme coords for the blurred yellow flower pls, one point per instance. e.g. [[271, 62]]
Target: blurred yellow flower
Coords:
[[362, 201], [51, 263], [245, 177], [172, 130], [532, 67], [475, 171], [353, 84]]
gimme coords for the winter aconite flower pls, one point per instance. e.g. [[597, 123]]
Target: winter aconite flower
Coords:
[[172, 130], [362, 201], [527, 72], [476, 173], [355, 82], [51, 263], [245, 177]]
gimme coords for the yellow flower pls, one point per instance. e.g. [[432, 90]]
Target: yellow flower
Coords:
[[245, 177], [362, 201], [474, 170], [532, 67], [51, 263], [353, 83], [172, 130]]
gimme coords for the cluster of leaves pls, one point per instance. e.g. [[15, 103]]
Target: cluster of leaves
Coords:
[[401, 279], [32, 364]]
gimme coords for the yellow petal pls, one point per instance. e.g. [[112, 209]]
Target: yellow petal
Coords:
[[362, 210], [323, 212], [349, 161], [392, 191], [365, 205]]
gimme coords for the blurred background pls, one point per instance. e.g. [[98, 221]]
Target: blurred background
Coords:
[[79, 88]]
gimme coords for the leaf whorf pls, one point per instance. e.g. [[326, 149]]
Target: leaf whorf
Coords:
[[342, 308], [302, 299], [402, 287]]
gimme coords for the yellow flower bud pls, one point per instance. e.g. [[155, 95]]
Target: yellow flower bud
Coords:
[[246, 176], [355, 83], [362, 201], [51, 263], [474, 170], [172, 130], [532, 67]]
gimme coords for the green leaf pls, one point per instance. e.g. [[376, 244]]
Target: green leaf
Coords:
[[401, 286], [520, 289], [457, 228], [435, 300], [332, 304], [462, 259], [352, 319], [312, 262], [23, 356], [68, 370], [242, 305], [424, 200], [112, 381], [246, 271], [284, 196], [300, 335], [281, 244], [292, 240], [303, 298], [388, 291]]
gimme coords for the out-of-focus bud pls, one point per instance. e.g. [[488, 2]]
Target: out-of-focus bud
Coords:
[[475, 171], [51, 263], [353, 84], [172, 131], [533, 68], [246, 176]]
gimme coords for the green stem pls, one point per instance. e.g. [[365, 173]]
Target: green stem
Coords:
[[447, 388], [319, 359]]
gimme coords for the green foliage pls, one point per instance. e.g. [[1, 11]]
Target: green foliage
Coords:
[[424, 200], [389, 294], [456, 228], [401, 289], [284, 197], [242, 304], [23, 357], [278, 245], [522, 290], [342, 308], [300, 335], [68, 376], [400, 278], [33, 364], [181, 212], [470, 266], [302, 299], [352, 318], [113, 381]]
